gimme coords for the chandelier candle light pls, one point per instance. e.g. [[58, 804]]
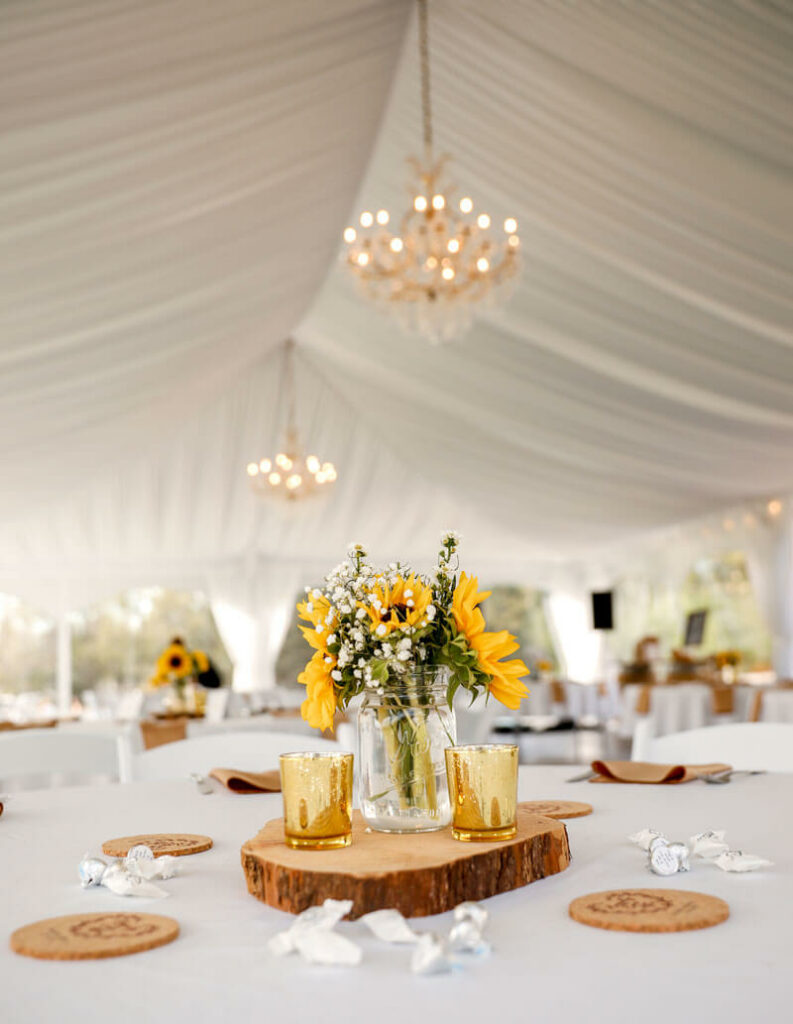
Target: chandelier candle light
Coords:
[[441, 260], [291, 474], [407, 643]]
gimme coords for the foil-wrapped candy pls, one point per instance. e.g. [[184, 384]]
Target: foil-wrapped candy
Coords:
[[390, 926], [667, 858], [644, 837], [736, 860], [430, 956], [91, 871], [123, 883], [466, 935], [312, 936], [130, 877], [708, 845]]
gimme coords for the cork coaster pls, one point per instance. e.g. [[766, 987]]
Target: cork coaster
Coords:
[[558, 808], [177, 844], [93, 936], [649, 910]]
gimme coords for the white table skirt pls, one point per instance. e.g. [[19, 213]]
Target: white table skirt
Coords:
[[545, 966]]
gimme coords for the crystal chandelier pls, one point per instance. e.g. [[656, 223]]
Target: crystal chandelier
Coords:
[[291, 474], [442, 260]]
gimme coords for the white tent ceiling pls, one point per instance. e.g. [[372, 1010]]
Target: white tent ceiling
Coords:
[[174, 182]]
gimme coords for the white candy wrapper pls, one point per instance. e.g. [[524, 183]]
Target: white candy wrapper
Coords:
[[466, 937], [312, 935], [708, 845], [149, 868], [390, 926], [118, 880], [325, 946], [430, 956], [643, 838], [130, 877], [139, 852], [470, 911], [736, 860]]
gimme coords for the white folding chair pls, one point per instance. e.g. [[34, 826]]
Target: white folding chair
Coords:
[[744, 745], [250, 751], [36, 752]]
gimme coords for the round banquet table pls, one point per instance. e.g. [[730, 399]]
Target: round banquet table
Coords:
[[545, 967]]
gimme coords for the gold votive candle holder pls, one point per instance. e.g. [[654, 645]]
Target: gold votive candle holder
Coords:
[[483, 789], [317, 793]]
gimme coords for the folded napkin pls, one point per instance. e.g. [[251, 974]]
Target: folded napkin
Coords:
[[645, 772], [248, 782]]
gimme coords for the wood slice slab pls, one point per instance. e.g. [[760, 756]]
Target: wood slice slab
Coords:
[[416, 874], [649, 910], [93, 936], [558, 808], [177, 844]]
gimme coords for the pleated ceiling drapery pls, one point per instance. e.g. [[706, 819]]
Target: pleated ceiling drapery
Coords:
[[174, 184]]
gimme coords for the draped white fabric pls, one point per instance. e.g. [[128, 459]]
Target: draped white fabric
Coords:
[[175, 180]]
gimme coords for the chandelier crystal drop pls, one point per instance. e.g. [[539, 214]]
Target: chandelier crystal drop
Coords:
[[291, 474], [441, 259]]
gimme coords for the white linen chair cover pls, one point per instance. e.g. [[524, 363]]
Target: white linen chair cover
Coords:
[[251, 751], [777, 706], [744, 745], [130, 705], [217, 705], [672, 709], [36, 752]]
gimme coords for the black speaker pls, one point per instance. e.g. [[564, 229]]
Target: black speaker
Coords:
[[603, 610]]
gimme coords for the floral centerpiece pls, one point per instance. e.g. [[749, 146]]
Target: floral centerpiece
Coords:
[[181, 668], [408, 643]]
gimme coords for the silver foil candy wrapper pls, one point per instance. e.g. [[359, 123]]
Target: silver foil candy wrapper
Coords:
[[312, 935], [665, 858], [131, 877], [390, 926], [737, 860], [644, 837], [708, 845], [430, 956]]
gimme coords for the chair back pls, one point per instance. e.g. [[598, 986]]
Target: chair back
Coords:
[[130, 706], [217, 704], [744, 745], [47, 751], [249, 751]]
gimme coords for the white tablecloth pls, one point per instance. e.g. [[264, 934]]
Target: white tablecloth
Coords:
[[545, 967]]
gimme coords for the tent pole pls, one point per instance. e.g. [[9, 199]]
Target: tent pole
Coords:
[[63, 679]]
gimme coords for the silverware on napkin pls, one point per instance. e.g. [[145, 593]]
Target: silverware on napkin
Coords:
[[203, 783], [722, 778], [583, 777]]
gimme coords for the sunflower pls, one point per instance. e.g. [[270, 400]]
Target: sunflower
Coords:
[[400, 604], [175, 661], [319, 706], [316, 611], [505, 676]]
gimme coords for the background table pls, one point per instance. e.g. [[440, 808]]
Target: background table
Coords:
[[545, 967]]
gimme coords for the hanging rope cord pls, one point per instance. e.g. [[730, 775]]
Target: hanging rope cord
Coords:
[[424, 63]]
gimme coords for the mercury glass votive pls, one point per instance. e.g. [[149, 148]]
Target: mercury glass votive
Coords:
[[317, 792], [483, 789]]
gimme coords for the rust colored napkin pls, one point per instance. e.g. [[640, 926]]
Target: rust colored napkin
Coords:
[[248, 782], [647, 773]]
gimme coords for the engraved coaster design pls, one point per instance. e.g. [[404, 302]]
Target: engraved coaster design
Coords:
[[558, 808], [177, 844], [649, 910], [93, 936]]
